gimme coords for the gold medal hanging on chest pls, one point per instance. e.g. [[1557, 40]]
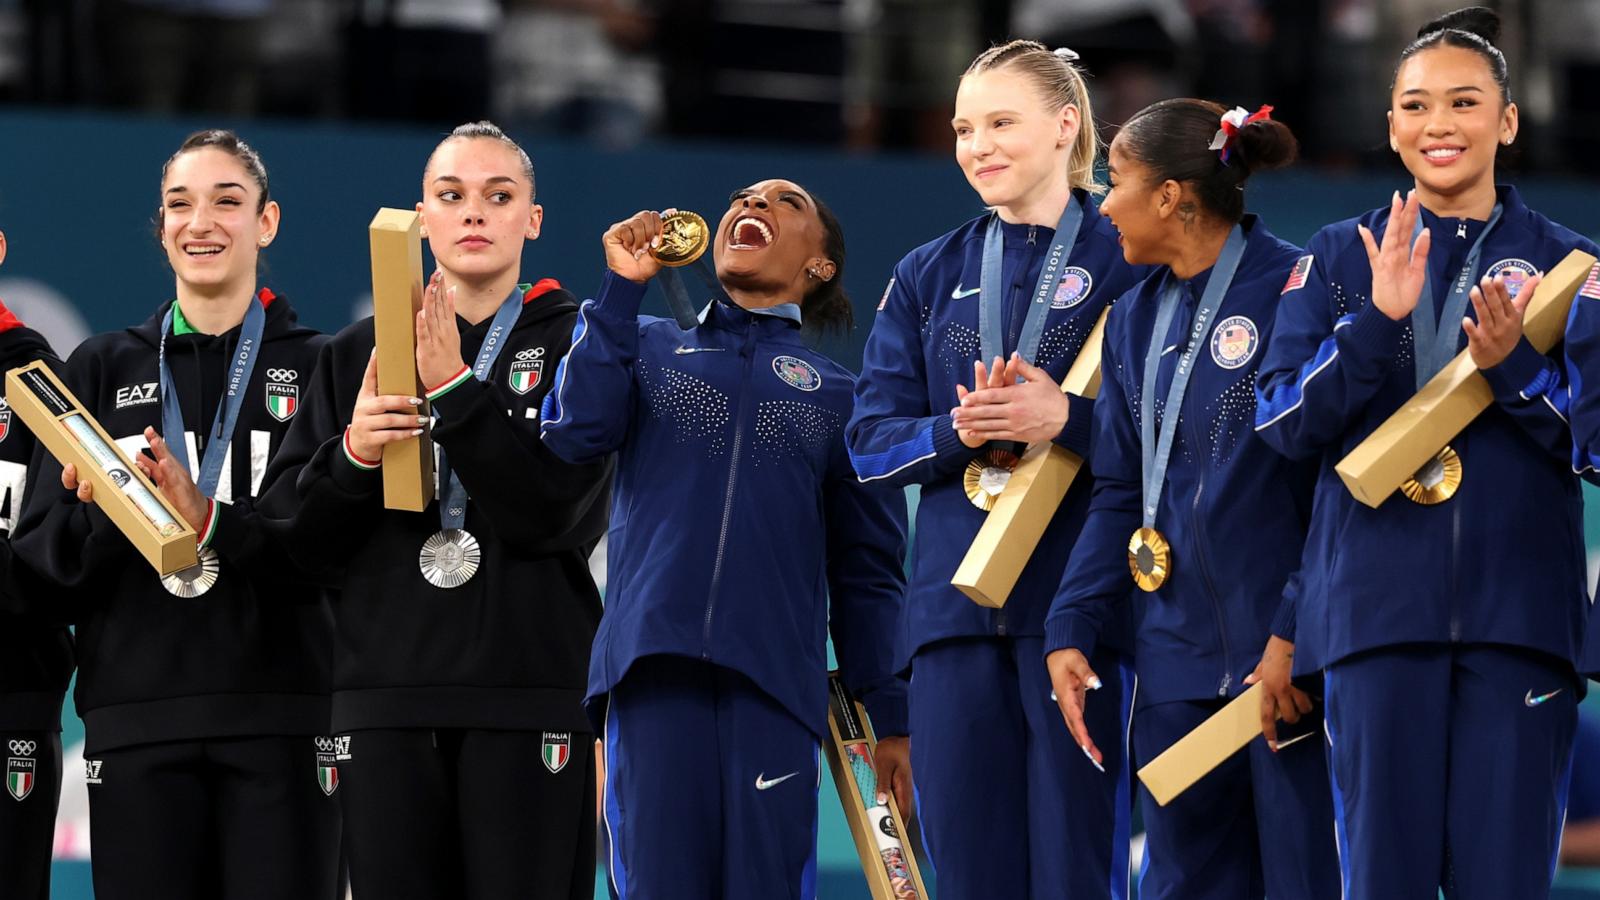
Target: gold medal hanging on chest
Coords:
[[987, 475], [1437, 480], [1149, 558]]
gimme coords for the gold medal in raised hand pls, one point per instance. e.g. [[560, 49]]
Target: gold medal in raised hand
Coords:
[[684, 236], [1149, 558], [1437, 480], [987, 475]]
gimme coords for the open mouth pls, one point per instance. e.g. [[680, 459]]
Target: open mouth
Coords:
[[202, 250], [749, 233]]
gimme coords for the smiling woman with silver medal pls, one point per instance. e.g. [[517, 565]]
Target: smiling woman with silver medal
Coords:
[[1446, 620], [739, 541], [202, 693], [465, 763]]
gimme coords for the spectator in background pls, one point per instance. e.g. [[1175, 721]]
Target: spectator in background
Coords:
[[171, 56], [423, 60]]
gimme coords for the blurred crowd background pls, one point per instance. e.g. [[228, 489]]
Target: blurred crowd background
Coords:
[[859, 74]]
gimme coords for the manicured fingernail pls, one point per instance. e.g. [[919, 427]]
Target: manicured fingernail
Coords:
[[1273, 746], [883, 799], [422, 420], [1090, 757], [1094, 684], [415, 401], [416, 431]]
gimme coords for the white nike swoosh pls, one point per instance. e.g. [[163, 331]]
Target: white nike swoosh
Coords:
[[958, 293], [1531, 700], [684, 351], [762, 784], [1295, 740]]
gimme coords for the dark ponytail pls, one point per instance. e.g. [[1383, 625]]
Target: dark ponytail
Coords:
[[826, 307], [1172, 139], [1474, 28]]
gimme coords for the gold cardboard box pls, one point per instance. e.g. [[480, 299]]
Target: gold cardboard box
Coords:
[[1203, 749], [1003, 546], [1448, 403], [396, 236], [881, 838], [72, 436]]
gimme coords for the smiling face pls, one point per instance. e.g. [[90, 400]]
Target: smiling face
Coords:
[[1448, 118], [213, 223], [769, 238], [477, 208], [1009, 145], [1135, 206]]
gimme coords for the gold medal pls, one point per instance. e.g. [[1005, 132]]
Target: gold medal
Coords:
[[684, 236], [1437, 480], [1149, 558], [987, 476]]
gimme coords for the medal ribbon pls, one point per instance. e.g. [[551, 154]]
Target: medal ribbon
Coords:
[[216, 444], [1434, 341], [452, 496], [683, 309], [1157, 451], [991, 296]]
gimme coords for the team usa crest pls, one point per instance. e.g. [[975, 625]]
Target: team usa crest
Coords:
[[283, 395], [797, 373], [21, 769], [1074, 288], [556, 751], [527, 370], [330, 750], [1516, 273], [1234, 341]]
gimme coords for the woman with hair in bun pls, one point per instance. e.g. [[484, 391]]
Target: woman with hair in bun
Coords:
[[962, 370], [1447, 621], [740, 540], [1182, 486]]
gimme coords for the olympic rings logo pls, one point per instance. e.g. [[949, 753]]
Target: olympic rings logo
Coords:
[[23, 748], [325, 745], [535, 353], [283, 375]]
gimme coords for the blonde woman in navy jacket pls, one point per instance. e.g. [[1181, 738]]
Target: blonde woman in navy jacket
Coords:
[[1447, 620]]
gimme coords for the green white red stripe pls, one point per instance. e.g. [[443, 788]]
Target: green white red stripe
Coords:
[[451, 383], [358, 462], [209, 527]]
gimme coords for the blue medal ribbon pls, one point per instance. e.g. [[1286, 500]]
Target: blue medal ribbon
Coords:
[[1433, 339], [1157, 450], [216, 443], [991, 299], [452, 496], [683, 309]]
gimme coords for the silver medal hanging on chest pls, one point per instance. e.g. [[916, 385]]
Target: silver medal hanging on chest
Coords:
[[450, 558], [197, 579]]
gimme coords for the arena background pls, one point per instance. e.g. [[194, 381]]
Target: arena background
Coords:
[[650, 107]]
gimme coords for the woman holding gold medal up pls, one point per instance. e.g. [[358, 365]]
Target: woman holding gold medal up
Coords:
[[739, 540], [1447, 620], [465, 764], [963, 368], [1209, 519]]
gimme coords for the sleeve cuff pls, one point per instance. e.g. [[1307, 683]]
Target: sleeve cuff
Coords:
[[1076, 434], [208, 529], [366, 465], [461, 376], [889, 713], [619, 297], [1283, 622], [1373, 330], [451, 404], [946, 442], [1070, 632], [1521, 375]]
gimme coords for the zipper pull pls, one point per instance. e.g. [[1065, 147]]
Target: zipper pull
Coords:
[[1033, 232], [1227, 681]]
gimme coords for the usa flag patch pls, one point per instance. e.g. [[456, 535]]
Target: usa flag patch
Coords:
[[1591, 285], [1298, 274]]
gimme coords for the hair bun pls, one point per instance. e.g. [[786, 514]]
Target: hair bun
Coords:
[[1265, 144], [1066, 53], [1479, 20]]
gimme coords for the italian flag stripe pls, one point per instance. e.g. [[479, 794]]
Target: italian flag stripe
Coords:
[[364, 464], [209, 528], [453, 382]]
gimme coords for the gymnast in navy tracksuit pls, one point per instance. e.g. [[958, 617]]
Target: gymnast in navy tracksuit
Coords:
[[1447, 626], [1009, 807], [1174, 436], [739, 538], [1581, 401]]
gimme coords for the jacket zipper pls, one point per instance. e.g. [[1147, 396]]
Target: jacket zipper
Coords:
[[733, 480], [1000, 614], [1201, 542]]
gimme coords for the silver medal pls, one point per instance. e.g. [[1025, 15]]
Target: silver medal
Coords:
[[449, 558], [197, 579]]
